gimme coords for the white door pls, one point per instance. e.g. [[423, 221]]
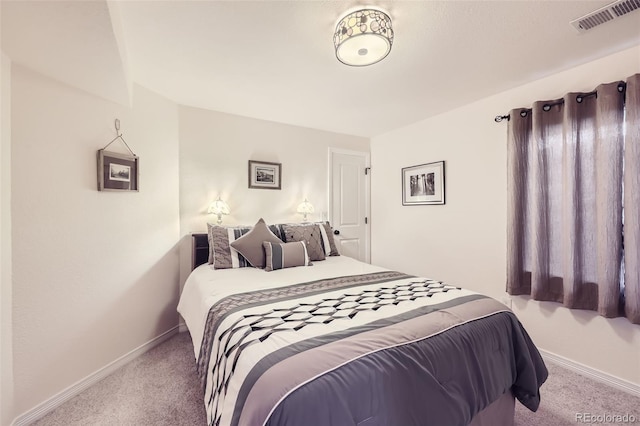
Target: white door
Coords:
[[349, 202]]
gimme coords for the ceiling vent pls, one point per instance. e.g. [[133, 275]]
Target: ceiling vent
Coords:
[[605, 14]]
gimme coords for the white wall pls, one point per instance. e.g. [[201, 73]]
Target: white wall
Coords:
[[214, 152], [464, 241], [95, 274], [6, 351]]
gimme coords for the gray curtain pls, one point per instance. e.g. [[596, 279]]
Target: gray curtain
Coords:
[[632, 201], [567, 164]]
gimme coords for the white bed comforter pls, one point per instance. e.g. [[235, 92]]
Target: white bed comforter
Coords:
[[203, 288]]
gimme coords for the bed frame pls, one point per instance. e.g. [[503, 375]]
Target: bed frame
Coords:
[[500, 412]]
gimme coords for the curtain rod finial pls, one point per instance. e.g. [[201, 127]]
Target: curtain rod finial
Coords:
[[499, 118]]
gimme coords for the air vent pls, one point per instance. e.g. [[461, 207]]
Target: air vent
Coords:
[[605, 14]]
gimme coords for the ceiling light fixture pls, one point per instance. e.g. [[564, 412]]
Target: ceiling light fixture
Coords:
[[363, 37]]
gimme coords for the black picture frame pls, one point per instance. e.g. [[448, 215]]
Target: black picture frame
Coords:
[[118, 172], [265, 175], [423, 184]]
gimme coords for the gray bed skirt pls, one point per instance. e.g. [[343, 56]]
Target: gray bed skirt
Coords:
[[499, 412]]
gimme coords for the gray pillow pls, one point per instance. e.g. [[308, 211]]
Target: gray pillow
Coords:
[[327, 241], [285, 255], [310, 234], [221, 256], [332, 249], [250, 244]]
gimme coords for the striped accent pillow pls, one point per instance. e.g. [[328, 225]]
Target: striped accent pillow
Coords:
[[329, 244], [221, 254], [285, 255]]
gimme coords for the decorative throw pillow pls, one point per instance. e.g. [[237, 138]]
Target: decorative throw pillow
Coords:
[[250, 244], [278, 231], [328, 242], [285, 255], [221, 254], [330, 248], [310, 234]]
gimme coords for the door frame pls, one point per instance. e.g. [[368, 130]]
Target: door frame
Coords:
[[367, 192]]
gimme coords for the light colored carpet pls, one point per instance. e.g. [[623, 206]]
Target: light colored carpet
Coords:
[[160, 388], [565, 394]]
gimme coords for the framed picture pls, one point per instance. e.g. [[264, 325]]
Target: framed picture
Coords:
[[265, 175], [117, 172], [423, 184]]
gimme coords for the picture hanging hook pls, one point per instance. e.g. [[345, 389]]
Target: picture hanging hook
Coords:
[[119, 136]]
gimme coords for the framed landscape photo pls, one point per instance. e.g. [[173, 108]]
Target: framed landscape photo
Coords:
[[423, 184], [264, 175], [117, 172]]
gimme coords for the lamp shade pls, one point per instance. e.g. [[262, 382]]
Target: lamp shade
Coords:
[[363, 37], [305, 208], [219, 208]]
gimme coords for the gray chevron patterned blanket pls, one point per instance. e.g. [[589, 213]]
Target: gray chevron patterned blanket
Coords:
[[381, 348]]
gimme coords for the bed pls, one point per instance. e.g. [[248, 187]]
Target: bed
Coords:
[[343, 342]]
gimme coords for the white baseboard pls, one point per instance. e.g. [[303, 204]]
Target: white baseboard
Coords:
[[60, 398], [592, 373], [182, 327]]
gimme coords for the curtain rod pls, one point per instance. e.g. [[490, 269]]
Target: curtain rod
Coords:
[[547, 107]]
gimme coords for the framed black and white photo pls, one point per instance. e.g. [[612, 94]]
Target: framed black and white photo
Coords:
[[265, 175], [423, 184], [117, 172]]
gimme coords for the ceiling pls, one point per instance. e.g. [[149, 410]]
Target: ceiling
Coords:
[[274, 60]]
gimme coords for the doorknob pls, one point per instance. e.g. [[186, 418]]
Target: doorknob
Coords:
[[336, 232]]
